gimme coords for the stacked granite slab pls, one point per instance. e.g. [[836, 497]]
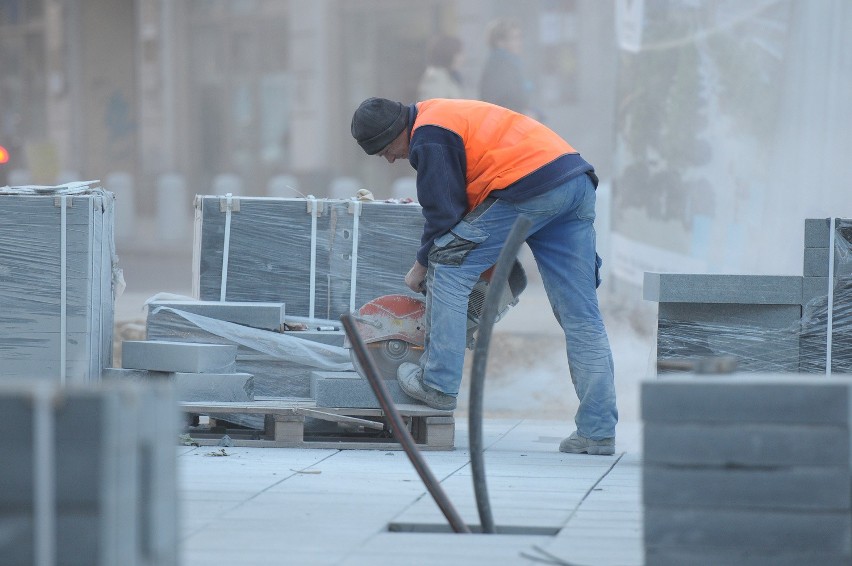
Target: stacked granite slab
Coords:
[[281, 363], [348, 389], [322, 257], [274, 375], [748, 469], [87, 474], [815, 289], [768, 323], [56, 270]]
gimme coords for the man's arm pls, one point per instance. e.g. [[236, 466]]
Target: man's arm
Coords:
[[439, 158]]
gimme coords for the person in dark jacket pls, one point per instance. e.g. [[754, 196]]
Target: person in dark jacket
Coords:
[[480, 166], [503, 81]]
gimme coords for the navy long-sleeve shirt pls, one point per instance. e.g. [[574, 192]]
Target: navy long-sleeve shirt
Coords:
[[438, 156]]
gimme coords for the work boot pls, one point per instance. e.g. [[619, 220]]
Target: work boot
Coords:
[[576, 444], [410, 378]]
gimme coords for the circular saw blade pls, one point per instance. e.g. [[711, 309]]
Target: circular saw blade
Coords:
[[388, 355]]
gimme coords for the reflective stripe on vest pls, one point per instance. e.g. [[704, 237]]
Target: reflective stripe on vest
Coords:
[[500, 146]]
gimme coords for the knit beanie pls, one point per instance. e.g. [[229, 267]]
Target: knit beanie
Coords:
[[377, 122]]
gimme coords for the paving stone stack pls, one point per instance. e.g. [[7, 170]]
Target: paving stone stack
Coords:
[[322, 257], [56, 273], [280, 362], [88, 474], [278, 367], [768, 323], [747, 469]]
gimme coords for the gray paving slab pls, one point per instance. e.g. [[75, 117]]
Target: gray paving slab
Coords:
[[748, 398], [815, 262], [779, 531], [178, 356], [746, 445], [804, 488], [258, 505], [749, 557], [265, 315], [348, 389], [813, 288], [739, 289], [817, 232]]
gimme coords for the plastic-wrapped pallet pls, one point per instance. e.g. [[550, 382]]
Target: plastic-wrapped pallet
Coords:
[[322, 257], [56, 274], [88, 474], [768, 323]]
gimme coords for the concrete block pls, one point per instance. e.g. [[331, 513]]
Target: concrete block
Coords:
[[746, 445], [178, 356], [746, 557], [803, 488], [817, 232], [224, 387], [814, 287], [745, 289], [218, 387], [815, 263], [331, 337], [348, 389], [748, 398], [752, 530], [268, 316]]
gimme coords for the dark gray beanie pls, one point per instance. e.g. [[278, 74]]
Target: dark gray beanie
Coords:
[[377, 122]]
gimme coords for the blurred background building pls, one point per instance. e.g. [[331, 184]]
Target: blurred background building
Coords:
[[715, 126]]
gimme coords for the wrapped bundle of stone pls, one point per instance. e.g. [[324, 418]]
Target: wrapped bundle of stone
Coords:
[[56, 282]]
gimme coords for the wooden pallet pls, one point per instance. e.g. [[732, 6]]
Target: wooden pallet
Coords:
[[367, 429]]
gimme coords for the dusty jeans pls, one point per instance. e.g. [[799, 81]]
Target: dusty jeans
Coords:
[[562, 239]]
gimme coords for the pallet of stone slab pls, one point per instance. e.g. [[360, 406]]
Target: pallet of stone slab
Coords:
[[365, 429], [321, 257], [56, 285], [281, 362], [88, 473]]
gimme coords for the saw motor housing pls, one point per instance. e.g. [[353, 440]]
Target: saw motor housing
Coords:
[[394, 326]]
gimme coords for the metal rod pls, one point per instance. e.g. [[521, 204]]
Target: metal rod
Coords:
[[400, 431], [499, 281]]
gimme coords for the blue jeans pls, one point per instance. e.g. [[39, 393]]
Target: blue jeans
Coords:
[[562, 239]]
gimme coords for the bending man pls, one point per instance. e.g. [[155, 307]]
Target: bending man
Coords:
[[478, 167]]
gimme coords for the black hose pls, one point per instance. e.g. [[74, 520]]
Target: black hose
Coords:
[[480, 355], [400, 431]]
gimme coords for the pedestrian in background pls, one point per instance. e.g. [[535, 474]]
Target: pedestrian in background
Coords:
[[442, 77], [503, 81]]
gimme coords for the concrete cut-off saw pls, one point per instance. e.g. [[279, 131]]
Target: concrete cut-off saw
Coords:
[[394, 326]]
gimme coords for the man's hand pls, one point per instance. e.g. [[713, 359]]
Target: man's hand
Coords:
[[416, 278]]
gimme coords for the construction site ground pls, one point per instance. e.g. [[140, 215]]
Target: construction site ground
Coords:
[[257, 506]]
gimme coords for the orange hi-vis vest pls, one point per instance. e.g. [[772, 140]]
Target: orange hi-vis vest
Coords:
[[501, 146]]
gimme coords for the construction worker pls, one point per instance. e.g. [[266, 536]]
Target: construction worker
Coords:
[[479, 166]]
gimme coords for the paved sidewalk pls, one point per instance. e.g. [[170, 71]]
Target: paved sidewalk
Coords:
[[277, 506]]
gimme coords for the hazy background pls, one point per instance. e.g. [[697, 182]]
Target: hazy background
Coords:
[[715, 126]]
